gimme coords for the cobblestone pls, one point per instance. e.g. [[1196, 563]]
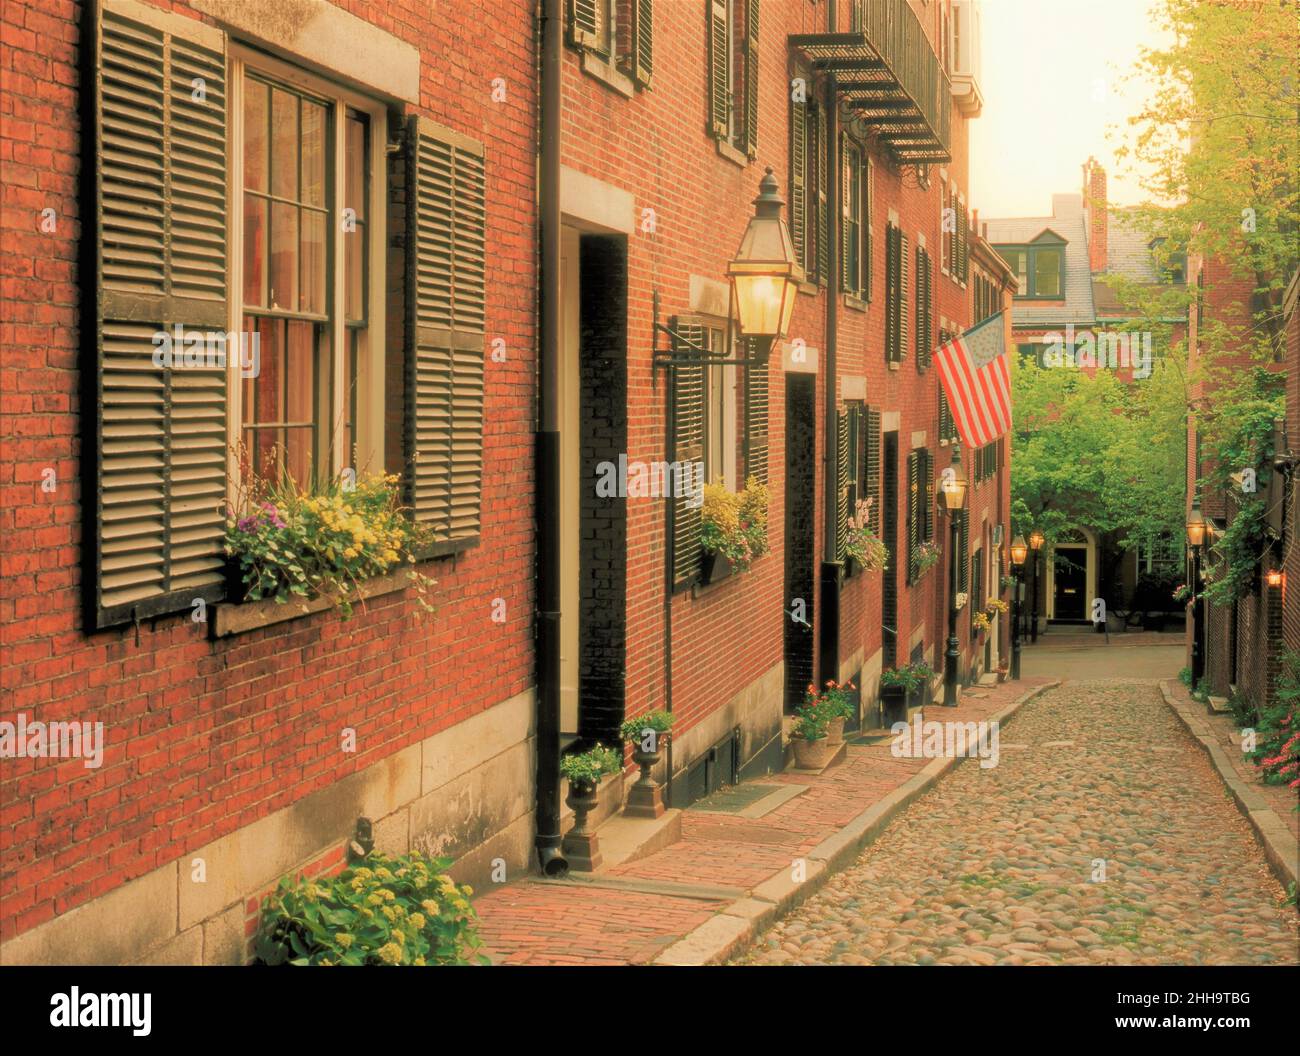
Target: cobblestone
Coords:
[[1004, 865]]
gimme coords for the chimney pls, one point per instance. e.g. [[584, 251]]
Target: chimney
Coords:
[[1094, 202]]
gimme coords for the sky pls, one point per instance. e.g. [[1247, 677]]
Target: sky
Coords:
[[1050, 81]]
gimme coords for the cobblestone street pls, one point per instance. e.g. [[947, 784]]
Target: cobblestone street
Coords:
[[997, 866]]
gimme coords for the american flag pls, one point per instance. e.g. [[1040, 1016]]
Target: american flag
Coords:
[[976, 378]]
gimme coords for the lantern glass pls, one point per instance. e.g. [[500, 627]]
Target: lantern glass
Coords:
[[1195, 528], [1019, 551], [1036, 540], [952, 488], [763, 271], [1274, 577]]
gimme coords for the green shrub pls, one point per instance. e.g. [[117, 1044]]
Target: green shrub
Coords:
[[382, 910], [587, 768], [659, 721]]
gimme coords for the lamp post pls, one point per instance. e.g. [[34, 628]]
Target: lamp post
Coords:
[[1018, 552], [1036, 545], [952, 489], [1195, 539]]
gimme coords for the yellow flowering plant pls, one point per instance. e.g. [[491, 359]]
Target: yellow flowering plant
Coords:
[[734, 524], [288, 541], [381, 910]]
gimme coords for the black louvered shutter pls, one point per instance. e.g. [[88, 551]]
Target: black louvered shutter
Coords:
[[924, 305], [891, 293], [841, 483], [751, 79], [585, 22], [799, 181], [963, 552], [868, 182], [719, 70], [756, 416], [963, 234], [161, 251], [823, 224], [904, 293], [687, 427], [927, 494], [873, 469], [446, 252], [641, 46], [913, 512]]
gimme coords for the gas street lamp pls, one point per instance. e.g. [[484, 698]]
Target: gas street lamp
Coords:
[[763, 284], [1019, 551], [952, 489], [1036, 545], [1195, 540]]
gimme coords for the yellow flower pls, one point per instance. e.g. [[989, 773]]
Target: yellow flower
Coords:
[[417, 921], [430, 907], [418, 962], [390, 953], [350, 552], [343, 939]]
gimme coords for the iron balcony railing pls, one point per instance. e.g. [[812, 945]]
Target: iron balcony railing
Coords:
[[890, 76]]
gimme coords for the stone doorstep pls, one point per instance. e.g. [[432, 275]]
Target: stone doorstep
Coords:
[[1280, 847], [735, 927], [1218, 706], [624, 839]]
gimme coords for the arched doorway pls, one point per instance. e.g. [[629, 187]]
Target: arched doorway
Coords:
[[1072, 577]]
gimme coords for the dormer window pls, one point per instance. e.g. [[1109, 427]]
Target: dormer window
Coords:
[[1039, 267], [1171, 266]]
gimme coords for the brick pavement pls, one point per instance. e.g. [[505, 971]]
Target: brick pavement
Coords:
[[530, 922]]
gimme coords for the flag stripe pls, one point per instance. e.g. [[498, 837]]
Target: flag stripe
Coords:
[[979, 396]]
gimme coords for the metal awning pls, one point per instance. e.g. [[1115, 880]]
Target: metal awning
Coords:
[[890, 77]]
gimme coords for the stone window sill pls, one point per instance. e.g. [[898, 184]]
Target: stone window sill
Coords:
[[231, 618], [856, 303], [726, 150], [608, 74]]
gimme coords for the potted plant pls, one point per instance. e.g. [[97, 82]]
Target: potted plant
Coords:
[[647, 734], [812, 749], [979, 622], [862, 548], [584, 771], [922, 673], [1004, 670], [836, 704], [733, 528], [896, 686], [925, 556]]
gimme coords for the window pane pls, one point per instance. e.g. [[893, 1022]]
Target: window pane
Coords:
[[354, 247], [254, 251], [284, 256], [284, 144], [1047, 273], [255, 103], [313, 262], [354, 167], [313, 153]]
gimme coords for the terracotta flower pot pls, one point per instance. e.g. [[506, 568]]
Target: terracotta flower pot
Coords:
[[812, 755], [835, 731]]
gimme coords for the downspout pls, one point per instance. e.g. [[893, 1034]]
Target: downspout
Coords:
[[829, 637], [549, 856]]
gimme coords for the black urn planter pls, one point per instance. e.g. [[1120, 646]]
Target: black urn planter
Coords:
[[714, 567], [894, 701], [581, 845]]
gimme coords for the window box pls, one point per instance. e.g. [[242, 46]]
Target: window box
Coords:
[[714, 568], [231, 618]]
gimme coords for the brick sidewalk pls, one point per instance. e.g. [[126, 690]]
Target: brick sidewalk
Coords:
[[657, 901]]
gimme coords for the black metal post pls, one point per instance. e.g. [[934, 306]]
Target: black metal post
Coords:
[[1198, 619], [1033, 626], [1015, 621], [953, 653]]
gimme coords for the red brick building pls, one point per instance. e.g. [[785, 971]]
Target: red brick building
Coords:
[[186, 163]]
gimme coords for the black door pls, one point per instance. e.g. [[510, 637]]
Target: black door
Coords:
[[1071, 585], [800, 528], [889, 525]]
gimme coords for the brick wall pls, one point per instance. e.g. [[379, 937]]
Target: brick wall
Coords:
[[204, 737]]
